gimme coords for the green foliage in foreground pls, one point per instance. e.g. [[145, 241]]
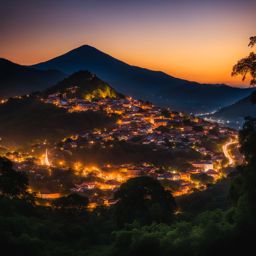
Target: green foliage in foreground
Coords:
[[143, 199]]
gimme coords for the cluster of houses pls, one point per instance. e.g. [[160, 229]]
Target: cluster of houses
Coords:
[[143, 123]]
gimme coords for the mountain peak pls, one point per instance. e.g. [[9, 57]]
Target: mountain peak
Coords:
[[86, 48], [154, 86]]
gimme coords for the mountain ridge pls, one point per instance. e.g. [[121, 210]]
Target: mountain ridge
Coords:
[[155, 86], [235, 113], [86, 46], [16, 79]]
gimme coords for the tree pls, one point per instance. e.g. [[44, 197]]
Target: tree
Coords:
[[163, 129], [202, 178], [242, 191], [198, 128], [247, 65], [165, 112], [145, 200], [72, 203], [247, 139], [13, 184], [187, 121], [214, 131], [252, 41]]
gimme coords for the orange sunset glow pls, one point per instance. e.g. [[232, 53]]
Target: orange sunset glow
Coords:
[[190, 41]]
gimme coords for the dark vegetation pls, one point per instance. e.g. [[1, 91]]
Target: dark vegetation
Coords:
[[119, 152], [142, 222], [215, 197], [58, 180], [28, 120], [143, 200], [247, 65]]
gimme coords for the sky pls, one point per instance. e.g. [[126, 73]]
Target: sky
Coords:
[[198, 40]]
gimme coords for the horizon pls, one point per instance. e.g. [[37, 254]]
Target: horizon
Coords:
[[155, 36], [242, 85]]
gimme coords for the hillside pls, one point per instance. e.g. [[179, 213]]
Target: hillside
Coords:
[[28, 120], [146, 84], [84, 85], [236, 112], [18, 80]]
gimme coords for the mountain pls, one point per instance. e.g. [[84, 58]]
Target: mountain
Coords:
[[234, 114], [18, 80], [83, 84], [146, 84]]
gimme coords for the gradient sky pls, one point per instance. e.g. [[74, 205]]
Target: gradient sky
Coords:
[[198, 40]]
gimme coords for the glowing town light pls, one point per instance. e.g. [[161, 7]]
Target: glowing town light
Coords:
[[46, 158]]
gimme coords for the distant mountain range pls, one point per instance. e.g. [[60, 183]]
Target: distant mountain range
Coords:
[[234, 114], [17, 79], [145, 84]]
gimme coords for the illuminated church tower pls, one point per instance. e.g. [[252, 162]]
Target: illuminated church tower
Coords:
[[46, 159]]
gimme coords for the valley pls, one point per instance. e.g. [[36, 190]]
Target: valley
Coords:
[[185, 153]]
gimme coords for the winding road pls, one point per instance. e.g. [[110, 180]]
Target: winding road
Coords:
[[227, 153]]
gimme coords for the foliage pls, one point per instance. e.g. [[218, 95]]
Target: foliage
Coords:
[[143, 199], [198, 128], [252, 41], [165, 112], [120, 152], [202, 178], [181, 238], [13, 184], [247, 65], [243, 193], [61, 180], [72, 203], [247, 137], [163, 129]]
